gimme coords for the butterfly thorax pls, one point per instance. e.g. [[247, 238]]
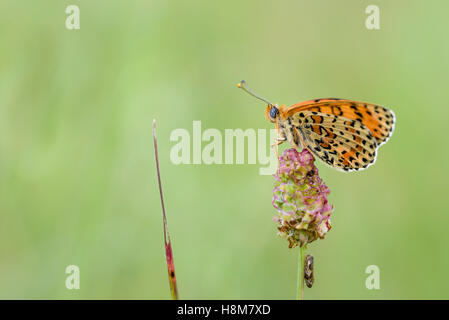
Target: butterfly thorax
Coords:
[[290, 129]]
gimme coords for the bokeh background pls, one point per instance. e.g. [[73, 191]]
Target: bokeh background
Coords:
[[77, 171]]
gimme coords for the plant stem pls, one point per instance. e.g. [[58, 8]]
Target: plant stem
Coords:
[[167, 242], [301, 262]]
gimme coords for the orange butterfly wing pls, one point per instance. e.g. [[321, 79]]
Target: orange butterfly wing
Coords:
[[379, 120]]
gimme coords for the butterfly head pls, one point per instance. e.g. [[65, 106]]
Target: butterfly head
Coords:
[[272, 110], [271, 113]]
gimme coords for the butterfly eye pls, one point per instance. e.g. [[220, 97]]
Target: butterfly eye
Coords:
[[274, 112]]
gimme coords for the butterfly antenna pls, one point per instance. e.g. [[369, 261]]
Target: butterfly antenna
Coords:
[[242, 85]]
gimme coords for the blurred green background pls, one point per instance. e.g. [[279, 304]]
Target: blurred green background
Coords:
[[77, 172]]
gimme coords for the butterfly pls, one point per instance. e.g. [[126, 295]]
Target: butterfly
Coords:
[[344, 134]]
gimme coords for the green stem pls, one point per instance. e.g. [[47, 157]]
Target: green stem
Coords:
[[301, 262]]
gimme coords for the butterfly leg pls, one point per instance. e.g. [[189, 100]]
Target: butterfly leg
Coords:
[[277, 141], [304, 145]]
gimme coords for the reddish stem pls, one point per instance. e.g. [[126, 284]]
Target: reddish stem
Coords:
[[168, 248]]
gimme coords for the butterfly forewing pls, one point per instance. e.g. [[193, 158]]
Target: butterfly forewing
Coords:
[[379, 120]]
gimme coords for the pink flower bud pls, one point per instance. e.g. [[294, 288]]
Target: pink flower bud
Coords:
[[300, 197]]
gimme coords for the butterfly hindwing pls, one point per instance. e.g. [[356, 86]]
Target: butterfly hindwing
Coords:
[[342, 143]]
